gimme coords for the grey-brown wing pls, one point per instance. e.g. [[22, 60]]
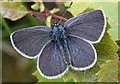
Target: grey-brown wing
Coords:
[[51, 63], [90, 26], [29, 41], [83, 54]]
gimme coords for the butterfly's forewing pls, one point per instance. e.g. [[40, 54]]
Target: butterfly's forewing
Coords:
[[29, 41], [89, 26], [83, 54], [51, 63]]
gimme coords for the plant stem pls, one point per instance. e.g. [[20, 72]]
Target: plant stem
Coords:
[[44, 15], [37, 13], [55, 16]]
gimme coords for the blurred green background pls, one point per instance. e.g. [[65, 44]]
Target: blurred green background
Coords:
[[16, 68]]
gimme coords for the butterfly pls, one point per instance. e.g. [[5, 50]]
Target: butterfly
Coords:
[[62, 47]]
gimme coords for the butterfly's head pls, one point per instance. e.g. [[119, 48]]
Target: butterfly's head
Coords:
[[56, 24]]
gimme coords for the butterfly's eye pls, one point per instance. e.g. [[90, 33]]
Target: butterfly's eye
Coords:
[[55, 22]]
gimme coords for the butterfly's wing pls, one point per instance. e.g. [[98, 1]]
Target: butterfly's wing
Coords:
[[51, 63], [83, 54], [29, 41], [90, 26]]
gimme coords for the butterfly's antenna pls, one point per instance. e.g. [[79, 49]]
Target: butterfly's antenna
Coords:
[[42, 19], [65, 12]]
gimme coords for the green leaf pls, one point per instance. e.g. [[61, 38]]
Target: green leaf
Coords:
[[12, 10], [110, 9], [35, 7], [42, 7], [48, 20], [108, 72], [42, 79], [5, 25]]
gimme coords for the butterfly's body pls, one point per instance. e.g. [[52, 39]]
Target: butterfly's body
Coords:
[[59, 38], [59, 34], [61, 47]]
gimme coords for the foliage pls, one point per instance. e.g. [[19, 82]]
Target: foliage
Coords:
[[42, 79], [36, 6], [48, 20], [106, 49], [110, 9], [109, 72], [12, 10]]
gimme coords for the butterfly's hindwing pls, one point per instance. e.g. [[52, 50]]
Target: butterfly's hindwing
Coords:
[[83, 54], [51, 63]]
